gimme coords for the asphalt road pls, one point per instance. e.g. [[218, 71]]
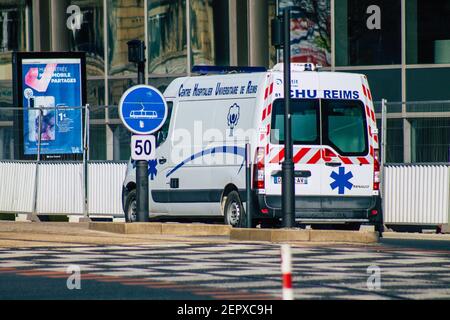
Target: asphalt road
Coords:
[[408, 269]]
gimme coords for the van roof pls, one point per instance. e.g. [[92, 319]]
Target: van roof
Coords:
[[325, 78]]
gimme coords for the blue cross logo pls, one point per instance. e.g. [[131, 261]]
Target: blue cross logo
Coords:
[[341, 180], [152, 170]]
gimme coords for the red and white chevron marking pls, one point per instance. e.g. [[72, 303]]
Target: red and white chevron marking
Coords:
[[371, 119], [266, 115], [314, 155]]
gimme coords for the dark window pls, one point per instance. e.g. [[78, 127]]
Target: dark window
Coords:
[[167, 36], [430, 140], [305, 121], [163, 132], [344, 126], [368, 32], [427, 31]]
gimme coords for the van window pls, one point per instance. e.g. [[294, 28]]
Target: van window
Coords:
[[344, 126], [163, 132], [305, 121]]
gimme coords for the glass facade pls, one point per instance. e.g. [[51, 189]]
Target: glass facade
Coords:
[[368, 32], [89, 37], [428, 34], [167, 37], [12, 35], [126, 22], [209, 32], [402, 46], [430, 140], [310, 31]]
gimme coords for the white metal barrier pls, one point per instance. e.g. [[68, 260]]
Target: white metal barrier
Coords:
[[16, 186], [414, 194], [105, 188], [60, 188], [417, 194]]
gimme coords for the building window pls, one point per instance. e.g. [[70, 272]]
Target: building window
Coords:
[[272, 51], [125, 22], [97, 142], [121, 142], [427, 31], [6, 98], [380, 88], [394, 140], [86, 33], [430, 140], [167, 49], [12, 34], [209, 32], [95, 92], [117, 87], [12, 20], [310, 31], [368, 32], [427, 84]]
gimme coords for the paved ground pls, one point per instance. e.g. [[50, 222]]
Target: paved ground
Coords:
[[223, 271], [34, 258]]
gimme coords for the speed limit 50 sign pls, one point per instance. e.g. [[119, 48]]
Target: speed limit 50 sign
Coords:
[[143, 147]]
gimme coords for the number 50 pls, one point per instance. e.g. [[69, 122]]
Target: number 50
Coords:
[[142, 147]]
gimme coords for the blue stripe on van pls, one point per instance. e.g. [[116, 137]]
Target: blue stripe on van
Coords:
[[240, 151]]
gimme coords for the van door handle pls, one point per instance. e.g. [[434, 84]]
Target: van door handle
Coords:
[[333, 164], [162, 160]]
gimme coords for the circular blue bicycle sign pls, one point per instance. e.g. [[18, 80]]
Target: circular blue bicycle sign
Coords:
[[143, 109]]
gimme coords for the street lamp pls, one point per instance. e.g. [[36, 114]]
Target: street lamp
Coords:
[[281, 29]]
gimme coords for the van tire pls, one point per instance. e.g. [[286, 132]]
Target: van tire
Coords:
[[130, 207], [233, 210]]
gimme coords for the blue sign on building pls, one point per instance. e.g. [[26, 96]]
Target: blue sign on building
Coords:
[[143, 109]]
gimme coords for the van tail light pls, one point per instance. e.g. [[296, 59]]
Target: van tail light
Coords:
[[258, 170], [376, 170]]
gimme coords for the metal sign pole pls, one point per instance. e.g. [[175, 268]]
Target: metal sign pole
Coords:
[[288, 187], [248, 182], [142, 203]]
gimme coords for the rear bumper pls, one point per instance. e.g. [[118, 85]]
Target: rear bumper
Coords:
[[328, 209]]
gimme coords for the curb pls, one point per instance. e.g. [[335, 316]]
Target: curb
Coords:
[[174, 229], [265, 235], [303, 236]]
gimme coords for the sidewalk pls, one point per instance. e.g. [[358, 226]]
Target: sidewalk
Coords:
[[44, 234], [52, 234]]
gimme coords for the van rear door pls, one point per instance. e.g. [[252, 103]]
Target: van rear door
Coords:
[[306, 153], [347, 165]]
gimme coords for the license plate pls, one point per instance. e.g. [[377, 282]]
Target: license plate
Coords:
[[298, 180]]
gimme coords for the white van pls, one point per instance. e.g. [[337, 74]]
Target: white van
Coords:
[[199, 169]]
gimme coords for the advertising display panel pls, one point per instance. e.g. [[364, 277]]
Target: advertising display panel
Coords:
[[51, 85]]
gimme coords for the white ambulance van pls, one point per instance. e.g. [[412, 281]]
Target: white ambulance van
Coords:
[[199, 169]]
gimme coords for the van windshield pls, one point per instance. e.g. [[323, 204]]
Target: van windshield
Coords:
[[343, 124], [305, 121]]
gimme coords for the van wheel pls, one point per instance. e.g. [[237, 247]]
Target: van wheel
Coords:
[[233, 210], [131, 207]]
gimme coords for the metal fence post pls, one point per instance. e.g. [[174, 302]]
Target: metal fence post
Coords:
[[383, 142], [85, 162], [383, 158], [38, 160]]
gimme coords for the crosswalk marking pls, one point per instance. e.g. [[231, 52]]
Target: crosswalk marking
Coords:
[[330, 272]]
